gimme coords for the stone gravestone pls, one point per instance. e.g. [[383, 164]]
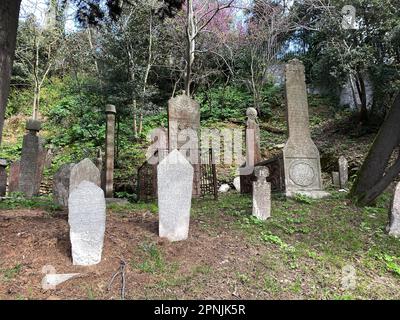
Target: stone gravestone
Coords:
[[261, 194], [301, 156], [184, 116], [84, 171], [394, 226], [87, 220], [174, 182], [3, 177], [32, 160], [110, 151], [335, 179], [253, 153], [343, 172], [61, 181], [13, 179]]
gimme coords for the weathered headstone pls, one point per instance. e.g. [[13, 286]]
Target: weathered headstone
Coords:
[[183, 133], [3, 177], [13, 179], [84, 171], [61, 181], [261, 194], [394, 226], [32, 160], [87, 220], [343, 172], [301, 156], [335, 179], [110, 149], [174, 181]]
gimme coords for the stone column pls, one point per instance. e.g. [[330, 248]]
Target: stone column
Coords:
[[110, 150], [32, 149], [343, 172], [301, 156], [3, 177]]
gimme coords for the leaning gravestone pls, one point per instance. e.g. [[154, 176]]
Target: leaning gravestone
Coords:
[[61, 181], [394, 226], [84, 171], [87, 220], [3, 177], [174, 182], [301, 156], [32, 162], [183, 119], [343, 172], [261, 194]]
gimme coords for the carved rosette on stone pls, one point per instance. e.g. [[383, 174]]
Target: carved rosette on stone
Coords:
[[301, 155]]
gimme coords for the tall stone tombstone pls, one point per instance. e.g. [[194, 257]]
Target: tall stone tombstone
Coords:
[[13, 179], [87, 220], [32, 160], [3, 177], [110, 150], [85, 170], [183, 133], [343, 172], [253, 153], [301, 156], [174, 183], [262, 194], [394, 225]]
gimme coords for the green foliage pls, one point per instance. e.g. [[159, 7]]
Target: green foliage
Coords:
[[301, 198], [11, 273], [17, 200], [224, 103], [231, 102]]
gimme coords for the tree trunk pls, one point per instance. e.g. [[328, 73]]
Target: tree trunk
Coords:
[[9, 13], [191, 31], [362, 93], [375, 176]]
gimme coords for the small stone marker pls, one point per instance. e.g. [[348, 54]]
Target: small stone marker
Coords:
[[224, 188], [13, 179], [262, 194], [175, 180], [3, 177], [110, 150], [51, 281], [61, 183], [32, 160], [394, 226], [335, 179], [343, 172], [84, 171], [87, 220], [301, 156]]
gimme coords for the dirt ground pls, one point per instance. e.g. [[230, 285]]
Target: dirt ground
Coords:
[[31, 240], [300, 253]]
